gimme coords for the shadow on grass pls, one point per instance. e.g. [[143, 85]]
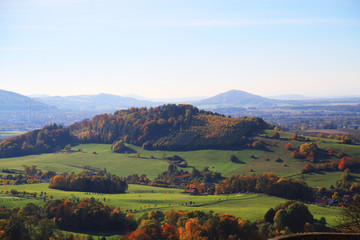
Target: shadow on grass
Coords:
[[266, 149], [96, 234], [234, 159]]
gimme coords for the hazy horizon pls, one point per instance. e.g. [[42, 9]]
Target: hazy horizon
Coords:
[[136, 96], [162, 49]]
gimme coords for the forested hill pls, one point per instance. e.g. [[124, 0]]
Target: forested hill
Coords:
[[176, 127], [168, 127]]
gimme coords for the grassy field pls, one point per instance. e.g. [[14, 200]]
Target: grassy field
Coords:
[[275, 159], [126, 164], [290, 167], [141, 199]]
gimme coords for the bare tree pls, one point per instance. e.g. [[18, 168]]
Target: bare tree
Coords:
[[349, 219]]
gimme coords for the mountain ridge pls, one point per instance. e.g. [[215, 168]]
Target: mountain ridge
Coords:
[[101, 102], [11, 101]]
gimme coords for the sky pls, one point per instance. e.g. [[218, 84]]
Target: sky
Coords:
[[180, 48]]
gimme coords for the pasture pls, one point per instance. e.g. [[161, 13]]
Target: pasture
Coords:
[[124, 164], [274, 159], [140, 199]]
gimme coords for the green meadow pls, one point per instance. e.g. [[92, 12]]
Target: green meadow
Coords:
[[274, 159], [140, 199], [123, 164]]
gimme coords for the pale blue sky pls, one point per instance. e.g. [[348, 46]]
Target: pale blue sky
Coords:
[[180, 48]]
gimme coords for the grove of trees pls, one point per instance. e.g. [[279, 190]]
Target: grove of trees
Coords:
[[266, 183], [88, 182]]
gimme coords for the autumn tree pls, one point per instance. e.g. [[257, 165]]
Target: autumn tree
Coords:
[[296, 154], [288, 146], [307, 148], [295, 136]]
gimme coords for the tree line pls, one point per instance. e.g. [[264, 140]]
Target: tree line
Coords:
[[266, 183], [48, 139]]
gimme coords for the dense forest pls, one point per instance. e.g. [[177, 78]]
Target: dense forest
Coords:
[[175, 127], [168, 127]]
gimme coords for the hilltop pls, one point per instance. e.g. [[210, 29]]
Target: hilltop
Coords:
[[172, 127]]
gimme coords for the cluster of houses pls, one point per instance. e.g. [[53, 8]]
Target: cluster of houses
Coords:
[[183, 181], [330, 201]]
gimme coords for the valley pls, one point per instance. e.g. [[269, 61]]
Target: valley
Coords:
[[176, 159], [141, 199]]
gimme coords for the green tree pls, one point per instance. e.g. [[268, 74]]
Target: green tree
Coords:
[[297, 214], [280, 219], [269, 215], [275, 135], [118, 147], [68, 147]]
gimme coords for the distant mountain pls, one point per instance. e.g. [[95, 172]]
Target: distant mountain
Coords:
[[291, 97], [38, 95], [235, 98], [19, 112], [11, 101], [96, 103], [180, 100], [168, 100], [135, 96]]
